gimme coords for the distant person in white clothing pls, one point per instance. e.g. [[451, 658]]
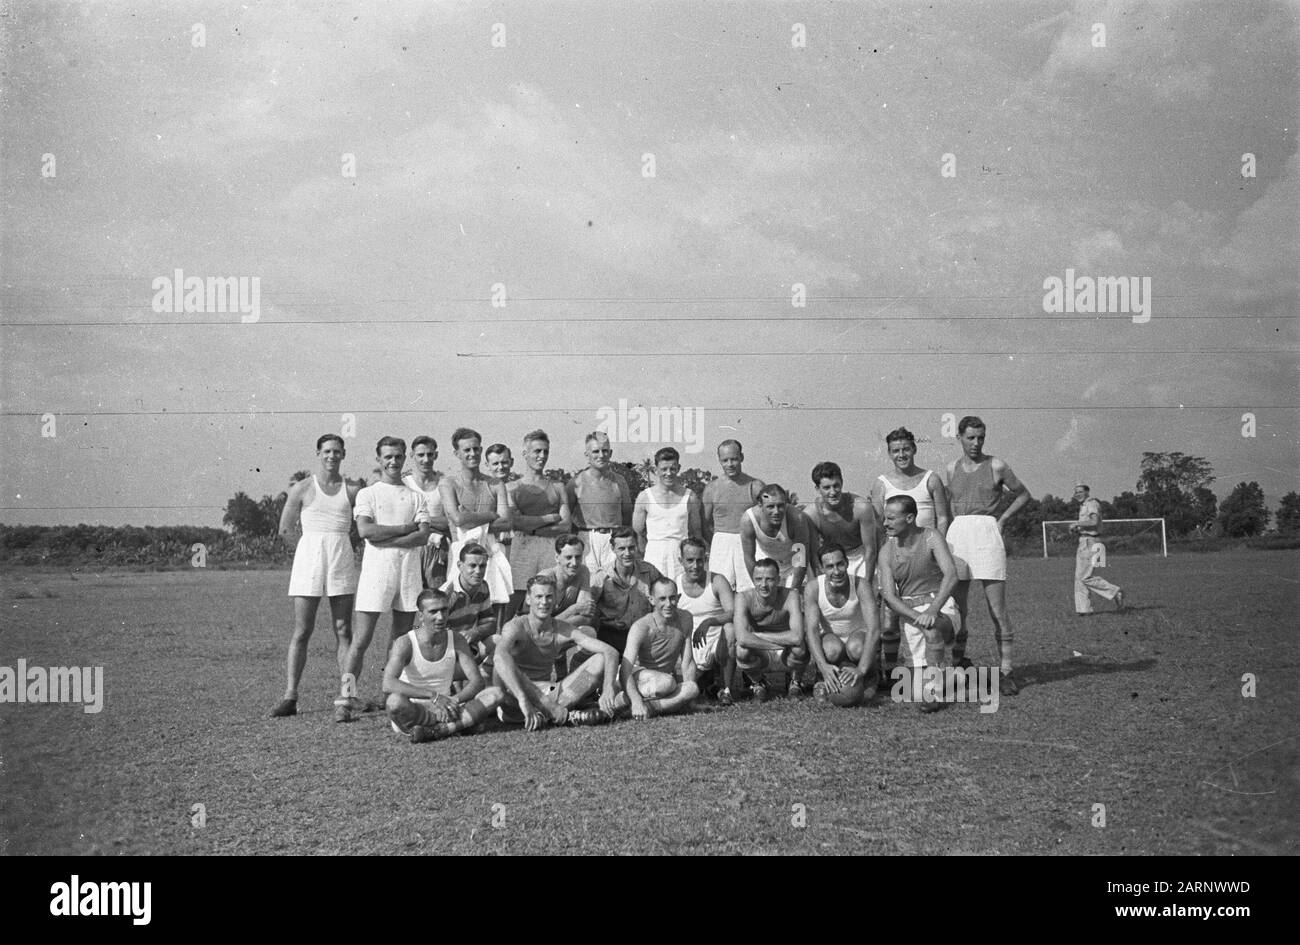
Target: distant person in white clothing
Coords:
[[665, 515], [478, 507], [394, 520], [1088, 528], [317, 517], [926, 489]]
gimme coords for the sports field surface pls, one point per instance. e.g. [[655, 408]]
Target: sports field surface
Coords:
[[1141, 712]]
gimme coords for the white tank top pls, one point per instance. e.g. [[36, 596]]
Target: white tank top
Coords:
[[433, 675], [843, 620], [704, 607], [920, 495], [432, 497], [666, 523], [327, 513], [780, 548]]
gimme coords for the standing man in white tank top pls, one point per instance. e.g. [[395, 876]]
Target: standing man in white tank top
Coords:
[[927, 490], [318, 514], [842, 641], [665, 515]]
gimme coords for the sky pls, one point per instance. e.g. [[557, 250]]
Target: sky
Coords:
[[644, 188]]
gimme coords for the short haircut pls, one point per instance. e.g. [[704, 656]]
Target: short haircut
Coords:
[[902, 433], [429, 593], [664, 580], [767, 563], [624, 531], [969, 421], [771, 490], [827, 548], [565, 541], [826, 470], [536, 436], [390, 441], [736, 443], [692, 543], [595, 436], [544, 579], [667, 453], [473, 548], [464, 433], [326, 438], [904, 502], [497, 449], [421, 440]]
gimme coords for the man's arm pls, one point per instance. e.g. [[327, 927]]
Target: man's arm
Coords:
[[942, 510], [639, 515], [801, 530], [508, 670], [687, 668], [589, 643], [693, 514], [635, 635], [474, 683], [411, 535], [869, 532], [943, 556], [575, 508], [292, 511], [706, 514], [504, 521], [748, 544], [877, 498], [625, 498], [1014, 486]]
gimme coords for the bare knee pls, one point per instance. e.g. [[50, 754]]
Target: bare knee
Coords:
[[855, 645], [396, 703], [690, 691], [832, 647], [653, 685], [491, 697]]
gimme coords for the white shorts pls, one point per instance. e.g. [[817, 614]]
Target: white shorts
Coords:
[[663, 554], [727, 557], [390, 580], [530, 555], [858, 563], [323, 563], [706, 655], [498, 577], [599, 553], [978, 542], [913, 637]]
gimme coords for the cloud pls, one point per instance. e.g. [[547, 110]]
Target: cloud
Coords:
[[1265, 241]]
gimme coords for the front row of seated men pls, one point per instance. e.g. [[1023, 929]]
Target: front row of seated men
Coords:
[[579, 654]]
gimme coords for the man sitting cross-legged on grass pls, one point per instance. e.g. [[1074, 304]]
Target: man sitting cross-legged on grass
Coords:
[[769, 630], [842, 642], [658, 672], [525, 666], [917, 578], [419, 673]]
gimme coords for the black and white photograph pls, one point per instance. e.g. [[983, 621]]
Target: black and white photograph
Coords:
[[651, 428]]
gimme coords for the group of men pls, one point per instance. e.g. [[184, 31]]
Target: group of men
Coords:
[[552, 603]]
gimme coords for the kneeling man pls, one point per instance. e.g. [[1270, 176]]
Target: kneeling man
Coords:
[[525, 666], [769, 630], [658, 672], [843, 643], [418, 677], [917, 578]]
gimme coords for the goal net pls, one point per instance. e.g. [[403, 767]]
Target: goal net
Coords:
[[1120, 536]]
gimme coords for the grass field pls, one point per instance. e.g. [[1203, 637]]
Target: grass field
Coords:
[[1149, 720]]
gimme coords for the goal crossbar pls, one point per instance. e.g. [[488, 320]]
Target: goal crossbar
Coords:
[[1164, 542]]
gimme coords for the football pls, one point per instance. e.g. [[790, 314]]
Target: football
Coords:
[[851, 695]]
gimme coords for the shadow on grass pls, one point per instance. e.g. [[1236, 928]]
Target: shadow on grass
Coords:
[[1036, 674]]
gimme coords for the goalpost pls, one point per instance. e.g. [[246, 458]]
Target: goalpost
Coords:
[[1106, 526]]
